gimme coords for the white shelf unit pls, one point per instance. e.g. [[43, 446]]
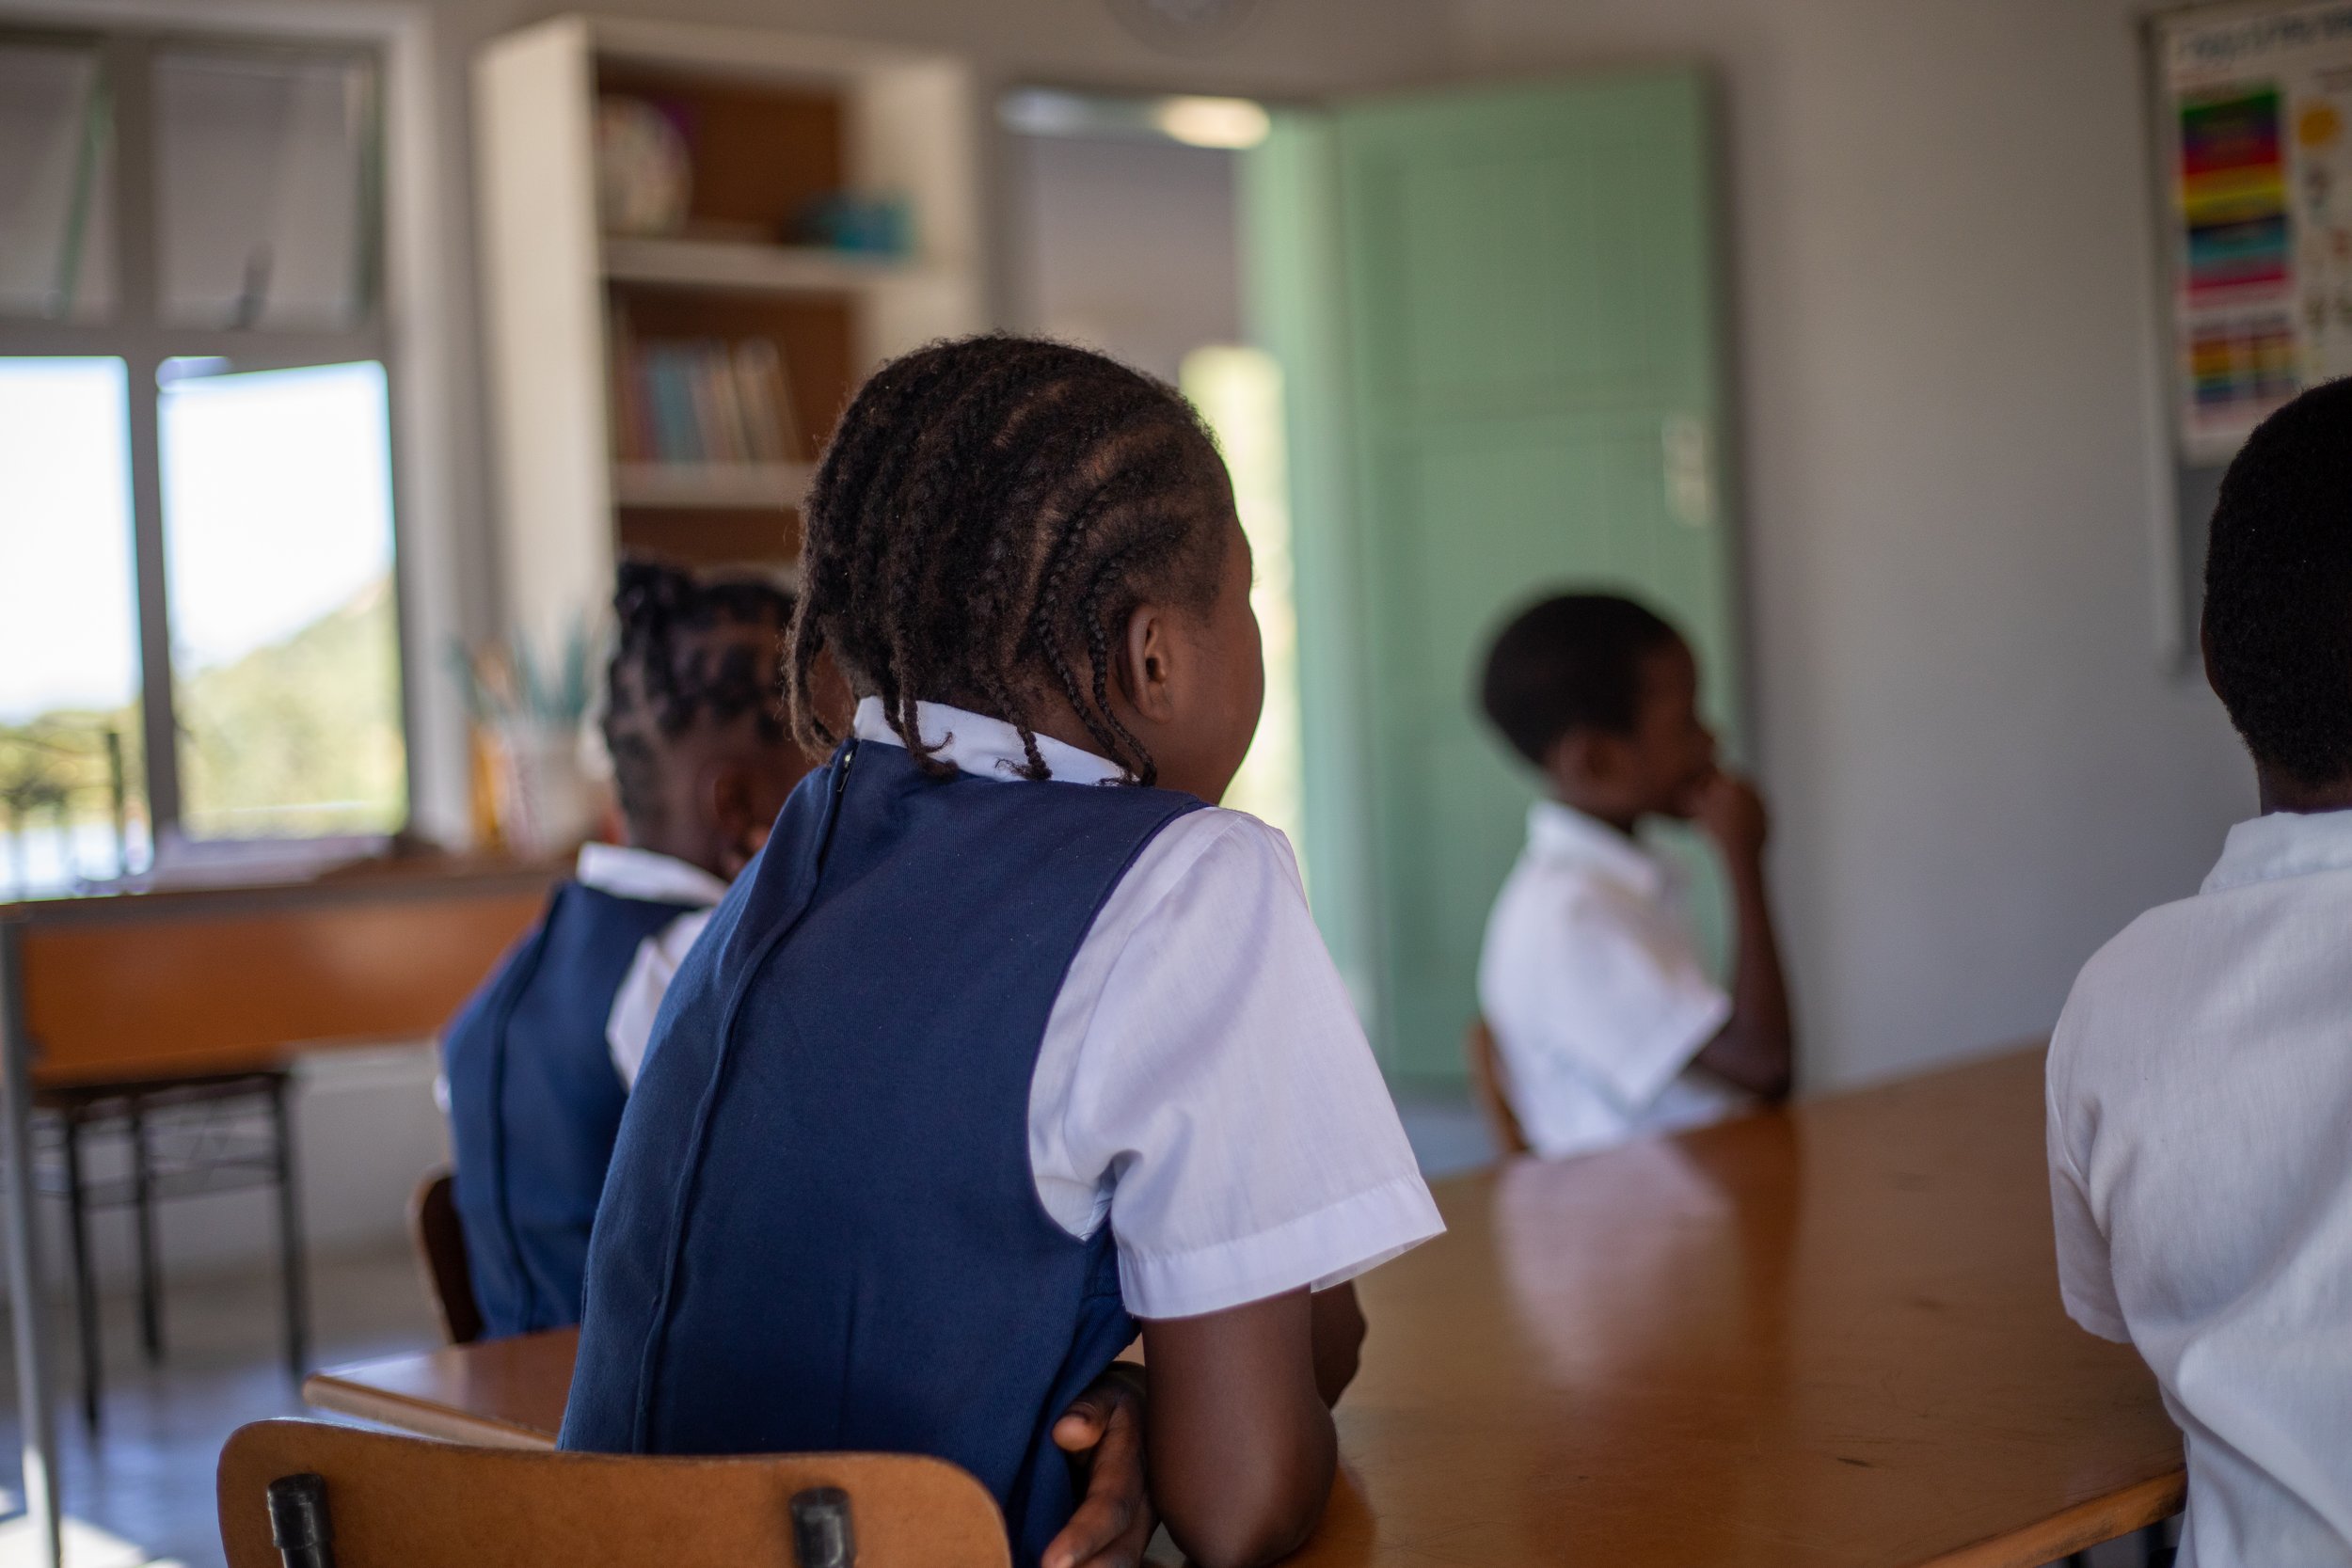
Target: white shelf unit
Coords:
[[784, 269], [723, 487], [906, 126]]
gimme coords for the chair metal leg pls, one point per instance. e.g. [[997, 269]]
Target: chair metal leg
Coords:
[[289, 1238], [85, 1284], [143, 1209]]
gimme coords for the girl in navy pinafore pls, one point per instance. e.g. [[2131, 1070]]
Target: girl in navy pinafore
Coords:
[[538, 1063], [856, 1201]]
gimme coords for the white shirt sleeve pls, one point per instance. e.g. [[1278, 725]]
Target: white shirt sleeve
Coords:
[[2086, 1272], [628, 1027], [1205, 1083], [1620, 997]]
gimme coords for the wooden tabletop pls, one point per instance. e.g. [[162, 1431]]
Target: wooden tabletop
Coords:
[[1825, 1338], [500, 1393], [151, 985]]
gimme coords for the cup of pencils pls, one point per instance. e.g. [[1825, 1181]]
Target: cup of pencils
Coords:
[[531, 770]]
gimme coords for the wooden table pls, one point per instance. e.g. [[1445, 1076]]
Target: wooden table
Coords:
[[501, 1393], [127, 986], [189, 981], [1825, 1338]]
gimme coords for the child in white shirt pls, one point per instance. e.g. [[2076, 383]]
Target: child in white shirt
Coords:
[[2199, 1090], [1607, 1024]]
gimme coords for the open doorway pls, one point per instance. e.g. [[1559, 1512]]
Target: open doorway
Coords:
[[1129, 242], [1127, 217]]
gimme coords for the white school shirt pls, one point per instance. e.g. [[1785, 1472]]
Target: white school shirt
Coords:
[[1204, 1084], [627, 873], [1594, 990], [2199, 1101]]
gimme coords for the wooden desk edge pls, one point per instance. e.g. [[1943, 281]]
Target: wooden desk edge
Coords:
[[405, 884], [325, 1391], [2076, 1529]]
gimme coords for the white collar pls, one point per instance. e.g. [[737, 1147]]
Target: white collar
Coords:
[[974, 743], [1566, 837], [2283, 844], [628, 872]]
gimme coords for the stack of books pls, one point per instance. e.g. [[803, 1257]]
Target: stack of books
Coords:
[[701, 401]]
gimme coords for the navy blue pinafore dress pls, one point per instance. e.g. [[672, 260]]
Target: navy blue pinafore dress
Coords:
[[821, 1230], [535, 1103]]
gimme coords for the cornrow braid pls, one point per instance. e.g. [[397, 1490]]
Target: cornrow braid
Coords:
[[667, 676], [988, 514]]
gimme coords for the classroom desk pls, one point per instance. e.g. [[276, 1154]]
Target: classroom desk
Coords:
[[1825, 1338], [500, 1393], [126, 986], [163, 984]]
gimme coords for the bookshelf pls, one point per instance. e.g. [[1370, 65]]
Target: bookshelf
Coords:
[[666, 390]]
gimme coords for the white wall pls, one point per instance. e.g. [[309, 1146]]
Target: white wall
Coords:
[[1941, 249], [1123, 245]]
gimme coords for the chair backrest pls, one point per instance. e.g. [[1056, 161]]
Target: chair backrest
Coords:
[[411, 1502], [439, 1238], [1485, 1071]]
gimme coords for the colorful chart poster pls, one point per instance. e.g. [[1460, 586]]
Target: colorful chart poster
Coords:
[[2257, 124]]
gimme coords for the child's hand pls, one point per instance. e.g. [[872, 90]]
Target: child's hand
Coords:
[[1729, 811], [1114, 1520]]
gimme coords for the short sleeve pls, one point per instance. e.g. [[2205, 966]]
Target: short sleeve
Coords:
[[1607, 985], [628, 1027], [2086, 1273], [1205, 1074]]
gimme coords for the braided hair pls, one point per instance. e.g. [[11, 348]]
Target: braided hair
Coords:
[[988, 514], [667, 676]]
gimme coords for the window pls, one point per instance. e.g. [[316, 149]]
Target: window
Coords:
[[198, 623]]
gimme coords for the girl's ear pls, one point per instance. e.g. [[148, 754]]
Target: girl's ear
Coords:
[[1147, 667], [729, 796]]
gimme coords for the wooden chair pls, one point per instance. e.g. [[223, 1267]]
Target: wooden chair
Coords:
[[1485, 1071], [439, 1238], [411, 1502]]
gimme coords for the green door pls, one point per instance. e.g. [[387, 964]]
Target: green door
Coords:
[[1498, 316]]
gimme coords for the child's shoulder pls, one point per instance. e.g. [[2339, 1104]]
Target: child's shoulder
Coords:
[[2167, 966], [2120, 972], [1207, 877], [1225, 845], [2185, 940]]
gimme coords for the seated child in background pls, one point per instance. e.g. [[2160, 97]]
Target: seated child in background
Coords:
[[2200, 1076], [1008, 1035], [1606, 1022], [539, 1063]]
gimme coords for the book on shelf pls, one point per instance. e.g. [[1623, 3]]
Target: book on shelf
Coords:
[[701, 401]]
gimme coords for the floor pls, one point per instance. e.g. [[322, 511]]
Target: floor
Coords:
[[150, 1481]]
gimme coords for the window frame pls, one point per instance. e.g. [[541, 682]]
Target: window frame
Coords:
[[135, 331]]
